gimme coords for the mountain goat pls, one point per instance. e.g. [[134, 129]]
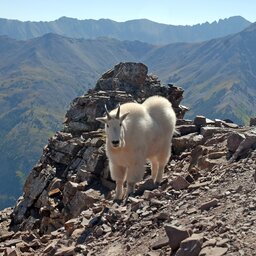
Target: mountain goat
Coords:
[[137, 132]]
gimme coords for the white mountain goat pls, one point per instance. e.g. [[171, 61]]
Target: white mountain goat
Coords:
[[137, 132]]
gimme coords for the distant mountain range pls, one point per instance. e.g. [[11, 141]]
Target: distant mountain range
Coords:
[[142, 29], [39, 77], [219, 76]]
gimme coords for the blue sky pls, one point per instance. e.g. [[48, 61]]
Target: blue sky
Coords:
[[176, 12]]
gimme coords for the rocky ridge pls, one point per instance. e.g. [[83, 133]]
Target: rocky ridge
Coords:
[[205, 204]]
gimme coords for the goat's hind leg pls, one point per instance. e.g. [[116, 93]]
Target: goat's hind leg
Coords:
[[130, 188], [162, 160], [154, 169]]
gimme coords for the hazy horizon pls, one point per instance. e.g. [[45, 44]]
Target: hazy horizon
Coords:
[[126, 20], [176, 12]]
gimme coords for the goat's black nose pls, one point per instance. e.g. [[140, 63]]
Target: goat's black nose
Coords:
[[115, 142]]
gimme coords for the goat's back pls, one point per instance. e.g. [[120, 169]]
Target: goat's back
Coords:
[[136, 112], [148, 129], [161, 112], [137, 119]]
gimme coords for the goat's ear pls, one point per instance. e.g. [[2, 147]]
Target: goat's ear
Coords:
[[102, 119], [124, 116]]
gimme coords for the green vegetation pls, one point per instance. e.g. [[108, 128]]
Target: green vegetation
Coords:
[[22, 177]]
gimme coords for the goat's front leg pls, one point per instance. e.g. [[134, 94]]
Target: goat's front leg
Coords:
[[135, 174], [118, 173], [130, 188], [119, 190]]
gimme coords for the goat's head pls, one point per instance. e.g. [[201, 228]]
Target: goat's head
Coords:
[[114, 127]]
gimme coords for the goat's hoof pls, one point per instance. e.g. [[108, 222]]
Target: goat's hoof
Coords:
[[126, 199], [131, 194], [118, 201], [156, 184]]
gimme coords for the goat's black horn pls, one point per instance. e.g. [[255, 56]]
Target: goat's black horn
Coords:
[[108, 115], [118, 112]]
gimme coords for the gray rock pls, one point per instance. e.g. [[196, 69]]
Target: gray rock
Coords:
[[4, 235], [130, 73], [186, 142], [153, 253], [83, 200], [51, 248], [208, 205], [248, 143], [190, 246], [160, 243], [60, 158], [163, 216], [176, 235], [37, 182], [234, 140], [70, 225], [77, 127], [179, 183], [55, 183], [213, 251], [253, 121], [69, 191], [65, 251], [11, 252], [208, 131], [184, 122], [210, 242], [186, 129], [200, 121], [70, 147]]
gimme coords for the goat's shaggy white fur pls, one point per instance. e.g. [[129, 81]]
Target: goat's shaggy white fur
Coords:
[[137, 132]]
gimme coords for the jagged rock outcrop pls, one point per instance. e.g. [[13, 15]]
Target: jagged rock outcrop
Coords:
[[125, 82], [74, 160], [205, 204]]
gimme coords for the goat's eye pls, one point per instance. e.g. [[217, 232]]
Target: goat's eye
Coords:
[[120, 124], [107, 125]]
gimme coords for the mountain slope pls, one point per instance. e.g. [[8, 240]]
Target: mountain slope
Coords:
[[39, 78], [205, 204], [218, 75], [142, 30]]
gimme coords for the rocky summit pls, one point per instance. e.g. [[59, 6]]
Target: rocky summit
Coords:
[[205, 205]]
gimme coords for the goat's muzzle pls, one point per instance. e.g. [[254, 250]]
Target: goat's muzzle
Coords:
[[115, 143]]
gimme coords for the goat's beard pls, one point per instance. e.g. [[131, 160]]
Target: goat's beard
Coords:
[[122, 144], [122, 140]]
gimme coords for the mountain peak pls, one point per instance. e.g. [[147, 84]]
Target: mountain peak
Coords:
[[234, 19], [66, 19]]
